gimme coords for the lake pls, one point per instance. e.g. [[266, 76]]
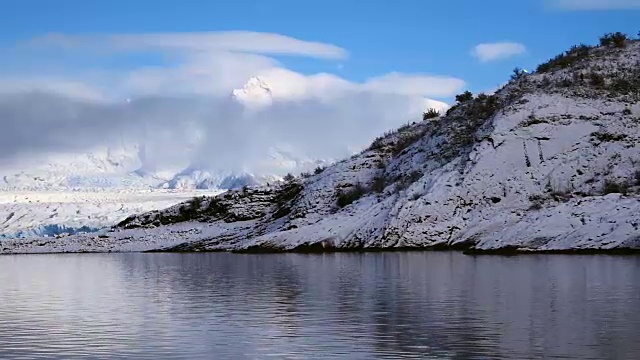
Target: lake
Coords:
[[291, 306]]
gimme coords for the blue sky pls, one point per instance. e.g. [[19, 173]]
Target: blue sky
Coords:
[[408, 36]]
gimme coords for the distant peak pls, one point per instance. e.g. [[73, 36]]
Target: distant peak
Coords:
[[254, 94], [256, 82]]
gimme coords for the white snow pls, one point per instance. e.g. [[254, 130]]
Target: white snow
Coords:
[[255, 94], [41, 212]]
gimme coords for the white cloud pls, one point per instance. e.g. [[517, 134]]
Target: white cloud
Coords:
[[234, 41], [496, 51], [213, 74], [595, 4], [213, 63], [318, 115], [51, 85], [414, 84]]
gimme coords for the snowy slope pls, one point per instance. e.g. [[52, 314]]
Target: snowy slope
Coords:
[[550, 162]]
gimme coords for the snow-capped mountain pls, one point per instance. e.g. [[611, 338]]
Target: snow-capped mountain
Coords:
[[276, 163], [550, 162], [255, 94], [225, 180], [99, 168]]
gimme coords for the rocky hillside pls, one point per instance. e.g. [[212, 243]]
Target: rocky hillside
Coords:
[[550, 162]]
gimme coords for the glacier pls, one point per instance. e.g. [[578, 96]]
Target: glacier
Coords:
[[51, 213]]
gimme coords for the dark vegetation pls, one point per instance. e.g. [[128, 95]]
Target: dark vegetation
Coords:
[[378, 185], [285, 197], [532, 119], [552, 194], [591, 80], [350, 195], [537, 201], [464, 97], [450, 135], [188, 211], [624, 186], [407, 180], [221, 207], [124, 223], [430, 114], [191, 210], [616, 39], [604, 136], [518, 73], [216, 208], [465, 119], [597, 80], [404, 136], [616, 187], [576, 54]]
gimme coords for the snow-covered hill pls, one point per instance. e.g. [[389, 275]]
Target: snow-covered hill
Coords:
[[549, 162]]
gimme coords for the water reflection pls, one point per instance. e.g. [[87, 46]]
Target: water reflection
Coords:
[[356, 306]]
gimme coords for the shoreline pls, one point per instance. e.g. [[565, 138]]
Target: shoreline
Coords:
[[271, 251], [468, 251]]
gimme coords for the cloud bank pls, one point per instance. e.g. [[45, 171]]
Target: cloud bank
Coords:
[[595, 4], [180, 109], [231, 41], [497, 51]]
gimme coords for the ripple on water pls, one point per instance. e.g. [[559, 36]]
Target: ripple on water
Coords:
[[292, 306]]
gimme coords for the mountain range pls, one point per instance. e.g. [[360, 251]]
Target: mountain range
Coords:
[[122, 166]]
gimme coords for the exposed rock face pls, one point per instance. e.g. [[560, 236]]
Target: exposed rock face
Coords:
[[549, 162]]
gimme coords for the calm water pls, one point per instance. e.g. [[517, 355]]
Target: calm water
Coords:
[[356, 306]]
